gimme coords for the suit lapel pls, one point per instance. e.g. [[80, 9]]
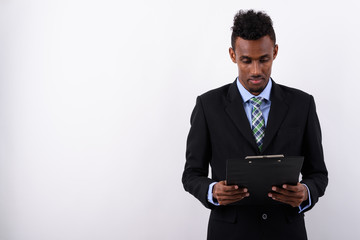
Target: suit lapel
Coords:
[[278, 111], [236, 111]]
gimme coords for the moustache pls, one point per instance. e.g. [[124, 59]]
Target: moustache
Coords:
[[257, 77]]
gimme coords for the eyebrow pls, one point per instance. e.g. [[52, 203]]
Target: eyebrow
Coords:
[[247, 57], [244, 57]]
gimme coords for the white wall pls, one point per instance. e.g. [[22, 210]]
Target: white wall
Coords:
[[95, 101]]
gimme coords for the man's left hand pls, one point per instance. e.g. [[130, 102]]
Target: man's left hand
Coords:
[[290, 194]]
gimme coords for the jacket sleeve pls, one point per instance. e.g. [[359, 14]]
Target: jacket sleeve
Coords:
[[314, 171], [198, 154]]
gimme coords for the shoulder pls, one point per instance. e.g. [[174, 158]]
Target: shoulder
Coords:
[[293, 91], [293, 94], [216, 95], [220, 91], [294, 98]]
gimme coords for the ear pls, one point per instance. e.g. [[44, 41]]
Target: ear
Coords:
[[232, 55], [276, 48]]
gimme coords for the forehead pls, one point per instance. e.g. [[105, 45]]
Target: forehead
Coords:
[[254, 48]]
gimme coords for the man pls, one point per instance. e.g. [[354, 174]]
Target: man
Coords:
[[254, 116]]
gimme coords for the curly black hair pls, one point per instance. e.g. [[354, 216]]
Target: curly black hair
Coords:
[[251, 25]]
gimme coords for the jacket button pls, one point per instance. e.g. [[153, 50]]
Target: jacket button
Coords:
[[264, 216]]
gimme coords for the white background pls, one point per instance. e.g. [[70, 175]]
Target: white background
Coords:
[[95, 102]]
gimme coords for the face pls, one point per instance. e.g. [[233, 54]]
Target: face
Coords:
[[254, 59]]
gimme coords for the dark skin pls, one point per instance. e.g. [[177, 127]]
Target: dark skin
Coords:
[[225, 194], [254, 59]]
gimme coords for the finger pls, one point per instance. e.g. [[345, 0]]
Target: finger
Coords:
[[286, 201], [222, 185], [233, 197], [237, 195], [222, 182], [281, 198], [232, 188], [293, 197], [225, 200], [220, 188], [287, 192], [286, 198], [235, 188], [218, 192], [294, 188]]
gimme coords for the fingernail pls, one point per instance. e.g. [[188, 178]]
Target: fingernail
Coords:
[[273, 188], [270, 195], [245, 190], [247, 194], [284, 186], [236, 187]]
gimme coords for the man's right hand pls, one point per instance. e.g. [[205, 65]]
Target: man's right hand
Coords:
[[228, 194]]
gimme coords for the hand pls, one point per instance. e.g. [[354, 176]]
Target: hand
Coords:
[[228, 194], [290, 194]]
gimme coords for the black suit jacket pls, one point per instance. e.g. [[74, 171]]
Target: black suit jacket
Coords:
[[220, 130]]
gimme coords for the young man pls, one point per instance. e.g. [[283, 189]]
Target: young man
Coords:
[[254, 116]]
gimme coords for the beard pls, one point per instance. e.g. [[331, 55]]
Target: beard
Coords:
[[256, 88]]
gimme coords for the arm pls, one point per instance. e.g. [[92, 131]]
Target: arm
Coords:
[[198, 154], [314, 170]]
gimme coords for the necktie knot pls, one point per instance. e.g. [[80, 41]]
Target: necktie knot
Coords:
[[256, 101]]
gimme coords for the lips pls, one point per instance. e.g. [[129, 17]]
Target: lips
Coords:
[[256, 80]]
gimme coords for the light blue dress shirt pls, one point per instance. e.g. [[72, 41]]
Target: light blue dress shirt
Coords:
[[265, 105], [265, 109]]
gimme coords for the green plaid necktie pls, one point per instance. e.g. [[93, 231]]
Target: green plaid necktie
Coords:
[[257, 121]]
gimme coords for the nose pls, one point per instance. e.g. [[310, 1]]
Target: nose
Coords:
[[255, 68]]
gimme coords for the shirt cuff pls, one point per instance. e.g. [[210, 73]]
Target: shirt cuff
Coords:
[[210, 195], [303, 206]]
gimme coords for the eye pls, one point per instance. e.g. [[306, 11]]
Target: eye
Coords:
[[246, 61], [264, 60]]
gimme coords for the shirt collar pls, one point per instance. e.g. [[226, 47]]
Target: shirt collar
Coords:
[[246, 95]]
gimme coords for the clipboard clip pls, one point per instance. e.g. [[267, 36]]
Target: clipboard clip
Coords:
[[265, 156], [250, 158]]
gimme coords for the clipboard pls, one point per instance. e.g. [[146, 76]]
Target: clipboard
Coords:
[[259, 173]]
